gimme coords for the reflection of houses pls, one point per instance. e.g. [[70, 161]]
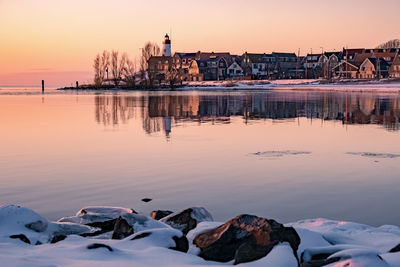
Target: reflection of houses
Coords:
[[161, 113]]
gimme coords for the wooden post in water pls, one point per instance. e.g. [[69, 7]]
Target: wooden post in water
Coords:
[[77, 84], [42, 86]]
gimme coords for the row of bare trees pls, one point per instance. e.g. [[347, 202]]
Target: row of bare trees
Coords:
[[395, 43], [122, 69], [118, 65]]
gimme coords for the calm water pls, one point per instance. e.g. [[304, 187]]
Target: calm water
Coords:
[[282, 155]]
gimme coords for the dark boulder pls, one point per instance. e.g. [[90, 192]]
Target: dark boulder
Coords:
[[245, 238], [315, 262], [37, 226], [159, 214], [146, 199], [21, 237], [98, 245], [395, 249], [140, 236], [187, 219], [57, 238], [122, 229], [181, 244]]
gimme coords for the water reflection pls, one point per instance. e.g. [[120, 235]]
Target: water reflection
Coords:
[[161, 112]]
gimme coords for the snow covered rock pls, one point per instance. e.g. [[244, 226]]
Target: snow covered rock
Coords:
[[381, 238], [359, 258], [245, 238], [395, 249], [97, 214], [187, 219], [167, 237], [159, 214], [122, 229]]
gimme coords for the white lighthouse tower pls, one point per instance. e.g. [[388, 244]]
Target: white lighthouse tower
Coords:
[[167, 46]]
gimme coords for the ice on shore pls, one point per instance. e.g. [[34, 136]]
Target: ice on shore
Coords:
[[355, 244], [279, 153]]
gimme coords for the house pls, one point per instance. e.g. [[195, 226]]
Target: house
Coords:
[[234, 69], [328, 61], [182, 62], [350, 54], [387, 54], [194, 70], [209, 66], [394, 70], [374, 68], [284, 64], [158, 66], [258, 66], [346, 70]]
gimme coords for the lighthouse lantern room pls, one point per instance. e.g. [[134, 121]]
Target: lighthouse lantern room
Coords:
[[167, 46]]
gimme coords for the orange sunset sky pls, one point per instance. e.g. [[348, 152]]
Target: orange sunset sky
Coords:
[[57, 40]]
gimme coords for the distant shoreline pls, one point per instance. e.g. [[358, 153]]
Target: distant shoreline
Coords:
[[386, 85]]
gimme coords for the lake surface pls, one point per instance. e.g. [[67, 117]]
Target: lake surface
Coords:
[[282, 155]]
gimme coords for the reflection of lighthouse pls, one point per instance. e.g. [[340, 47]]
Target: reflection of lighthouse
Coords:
[[167, 46], [167, 126]]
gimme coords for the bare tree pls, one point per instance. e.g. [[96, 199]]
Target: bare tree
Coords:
[[104, 63], [149, 50], [173, 75], [117, 66], [97, 71], [130, 73], [395, 43]]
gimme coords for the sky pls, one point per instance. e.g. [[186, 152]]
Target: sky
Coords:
[[57, 40]]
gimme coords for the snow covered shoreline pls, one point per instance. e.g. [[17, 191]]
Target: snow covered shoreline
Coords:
[[105, 236], [383, 86]]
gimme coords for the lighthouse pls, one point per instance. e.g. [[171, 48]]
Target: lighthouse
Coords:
[[167, 46]]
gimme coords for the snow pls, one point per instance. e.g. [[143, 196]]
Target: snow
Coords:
[[382, 86], [356, 244]]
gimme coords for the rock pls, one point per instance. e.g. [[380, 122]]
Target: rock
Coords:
[[122, 229], [395, 249], [160, 237], [141, 223], [146, 199], [98, 214], [72, 229], [244, 238], [181, 244], [21, 219], [38, 226], [57, 238], [105, 225], [98, 245], [319, 262], [21, 237], [187, 219], [159, 214], [140, 236]]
